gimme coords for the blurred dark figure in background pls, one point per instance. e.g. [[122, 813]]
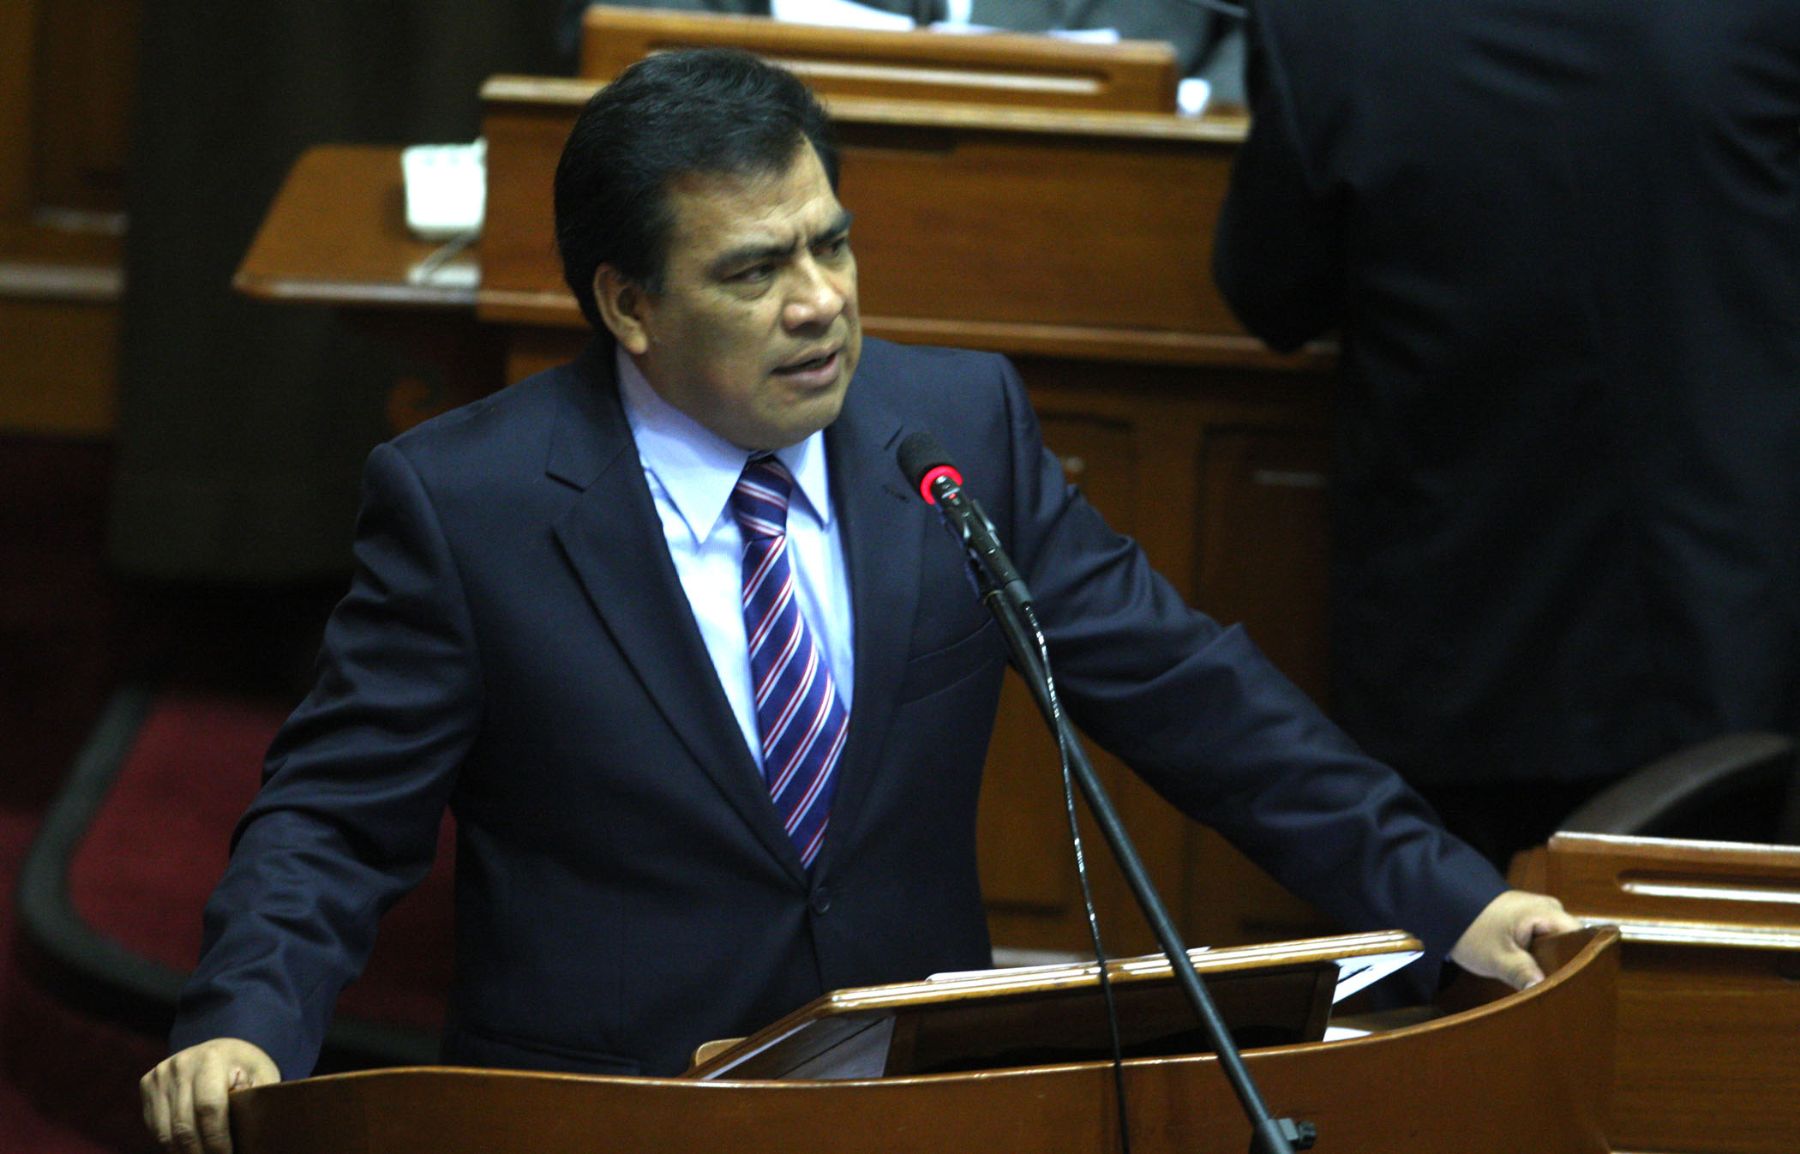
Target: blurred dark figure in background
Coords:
[[1562, 244]]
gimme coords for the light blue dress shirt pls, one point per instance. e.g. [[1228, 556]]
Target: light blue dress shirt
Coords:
[[692, 471]]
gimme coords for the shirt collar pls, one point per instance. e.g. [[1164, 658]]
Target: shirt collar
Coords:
[[697, 468]]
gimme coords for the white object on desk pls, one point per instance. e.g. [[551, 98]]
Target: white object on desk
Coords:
[[446, 189]]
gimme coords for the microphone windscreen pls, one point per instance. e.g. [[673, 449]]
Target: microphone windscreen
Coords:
[[919, 454], [923, 460]]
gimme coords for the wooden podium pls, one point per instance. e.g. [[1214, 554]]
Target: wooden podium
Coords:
[[1526, 1072], [1708, 1047]]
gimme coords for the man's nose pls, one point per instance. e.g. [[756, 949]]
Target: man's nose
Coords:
[[817, 296]]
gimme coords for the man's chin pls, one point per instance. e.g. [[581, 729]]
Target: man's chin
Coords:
[[817, 417], [797, 421]]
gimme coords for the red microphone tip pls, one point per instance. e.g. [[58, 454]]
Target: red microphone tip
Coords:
[[930, 478]]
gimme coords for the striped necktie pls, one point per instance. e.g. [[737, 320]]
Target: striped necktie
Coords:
[[799, 716]]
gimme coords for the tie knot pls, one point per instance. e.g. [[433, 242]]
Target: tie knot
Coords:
[[760, 499]]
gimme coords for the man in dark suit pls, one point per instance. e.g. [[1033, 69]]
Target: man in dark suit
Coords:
[[561, 627], [1562, 243]]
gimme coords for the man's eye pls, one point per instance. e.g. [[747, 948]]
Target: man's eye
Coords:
[[836, 246], [754, 274]]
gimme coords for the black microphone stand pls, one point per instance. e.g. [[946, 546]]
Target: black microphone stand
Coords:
[[1023, 637]]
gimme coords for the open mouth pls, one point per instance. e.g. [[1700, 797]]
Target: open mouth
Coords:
[[810, 365]]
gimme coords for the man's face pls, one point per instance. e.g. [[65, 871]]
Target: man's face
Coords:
[[755, 332]]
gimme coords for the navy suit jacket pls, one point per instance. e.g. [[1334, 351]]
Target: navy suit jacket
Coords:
[[516, 645]]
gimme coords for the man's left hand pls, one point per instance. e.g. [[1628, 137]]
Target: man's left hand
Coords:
[[1496, 944]]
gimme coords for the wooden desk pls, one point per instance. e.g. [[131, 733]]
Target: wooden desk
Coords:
[[1708, 1045], [336, 235], [1077, 243], [1002, 68]]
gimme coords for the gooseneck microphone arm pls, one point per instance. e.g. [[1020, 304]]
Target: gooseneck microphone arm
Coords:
[[1007, 597]]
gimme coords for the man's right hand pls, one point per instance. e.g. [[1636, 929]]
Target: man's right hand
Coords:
[[185, 1095]]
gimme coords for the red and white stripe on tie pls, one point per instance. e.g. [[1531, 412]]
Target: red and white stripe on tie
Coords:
[[799, 716]]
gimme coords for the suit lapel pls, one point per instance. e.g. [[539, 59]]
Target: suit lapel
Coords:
[[883, 528], [613, 538]]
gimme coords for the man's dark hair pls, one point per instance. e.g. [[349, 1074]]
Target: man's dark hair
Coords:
[[709, 110]]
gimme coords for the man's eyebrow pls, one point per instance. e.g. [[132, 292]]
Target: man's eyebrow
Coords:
[[840, 224], [757, 253]]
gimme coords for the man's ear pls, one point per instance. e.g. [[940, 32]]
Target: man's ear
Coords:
[[621, 303]]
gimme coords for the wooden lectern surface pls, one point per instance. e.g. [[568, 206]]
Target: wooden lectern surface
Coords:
[[1708, 1047], [1266, 994], [1526, 1073]]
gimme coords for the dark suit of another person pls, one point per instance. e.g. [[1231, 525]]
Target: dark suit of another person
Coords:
[[1562, 244], [516, 644]]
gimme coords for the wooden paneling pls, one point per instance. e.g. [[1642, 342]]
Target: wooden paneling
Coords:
[[1709, 986], [61, 362], [1219, 476], [66, 74], [18, 58], [86, 68], [1706, 1051], [520, 279], [1028, 861], [1261, 537], [67, 70]]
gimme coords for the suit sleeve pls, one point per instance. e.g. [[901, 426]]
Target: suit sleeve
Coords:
[[1197, 711], [354, 789], [1278, 254]]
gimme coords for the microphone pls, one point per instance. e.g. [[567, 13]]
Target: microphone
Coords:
[[928, 469]]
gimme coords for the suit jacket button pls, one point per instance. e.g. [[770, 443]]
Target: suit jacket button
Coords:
[[821, 900]]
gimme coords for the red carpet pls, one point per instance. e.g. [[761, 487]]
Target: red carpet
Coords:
[[153, 852], [137, 878]]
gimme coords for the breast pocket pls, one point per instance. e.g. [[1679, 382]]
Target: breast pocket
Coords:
[[949, 665]]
